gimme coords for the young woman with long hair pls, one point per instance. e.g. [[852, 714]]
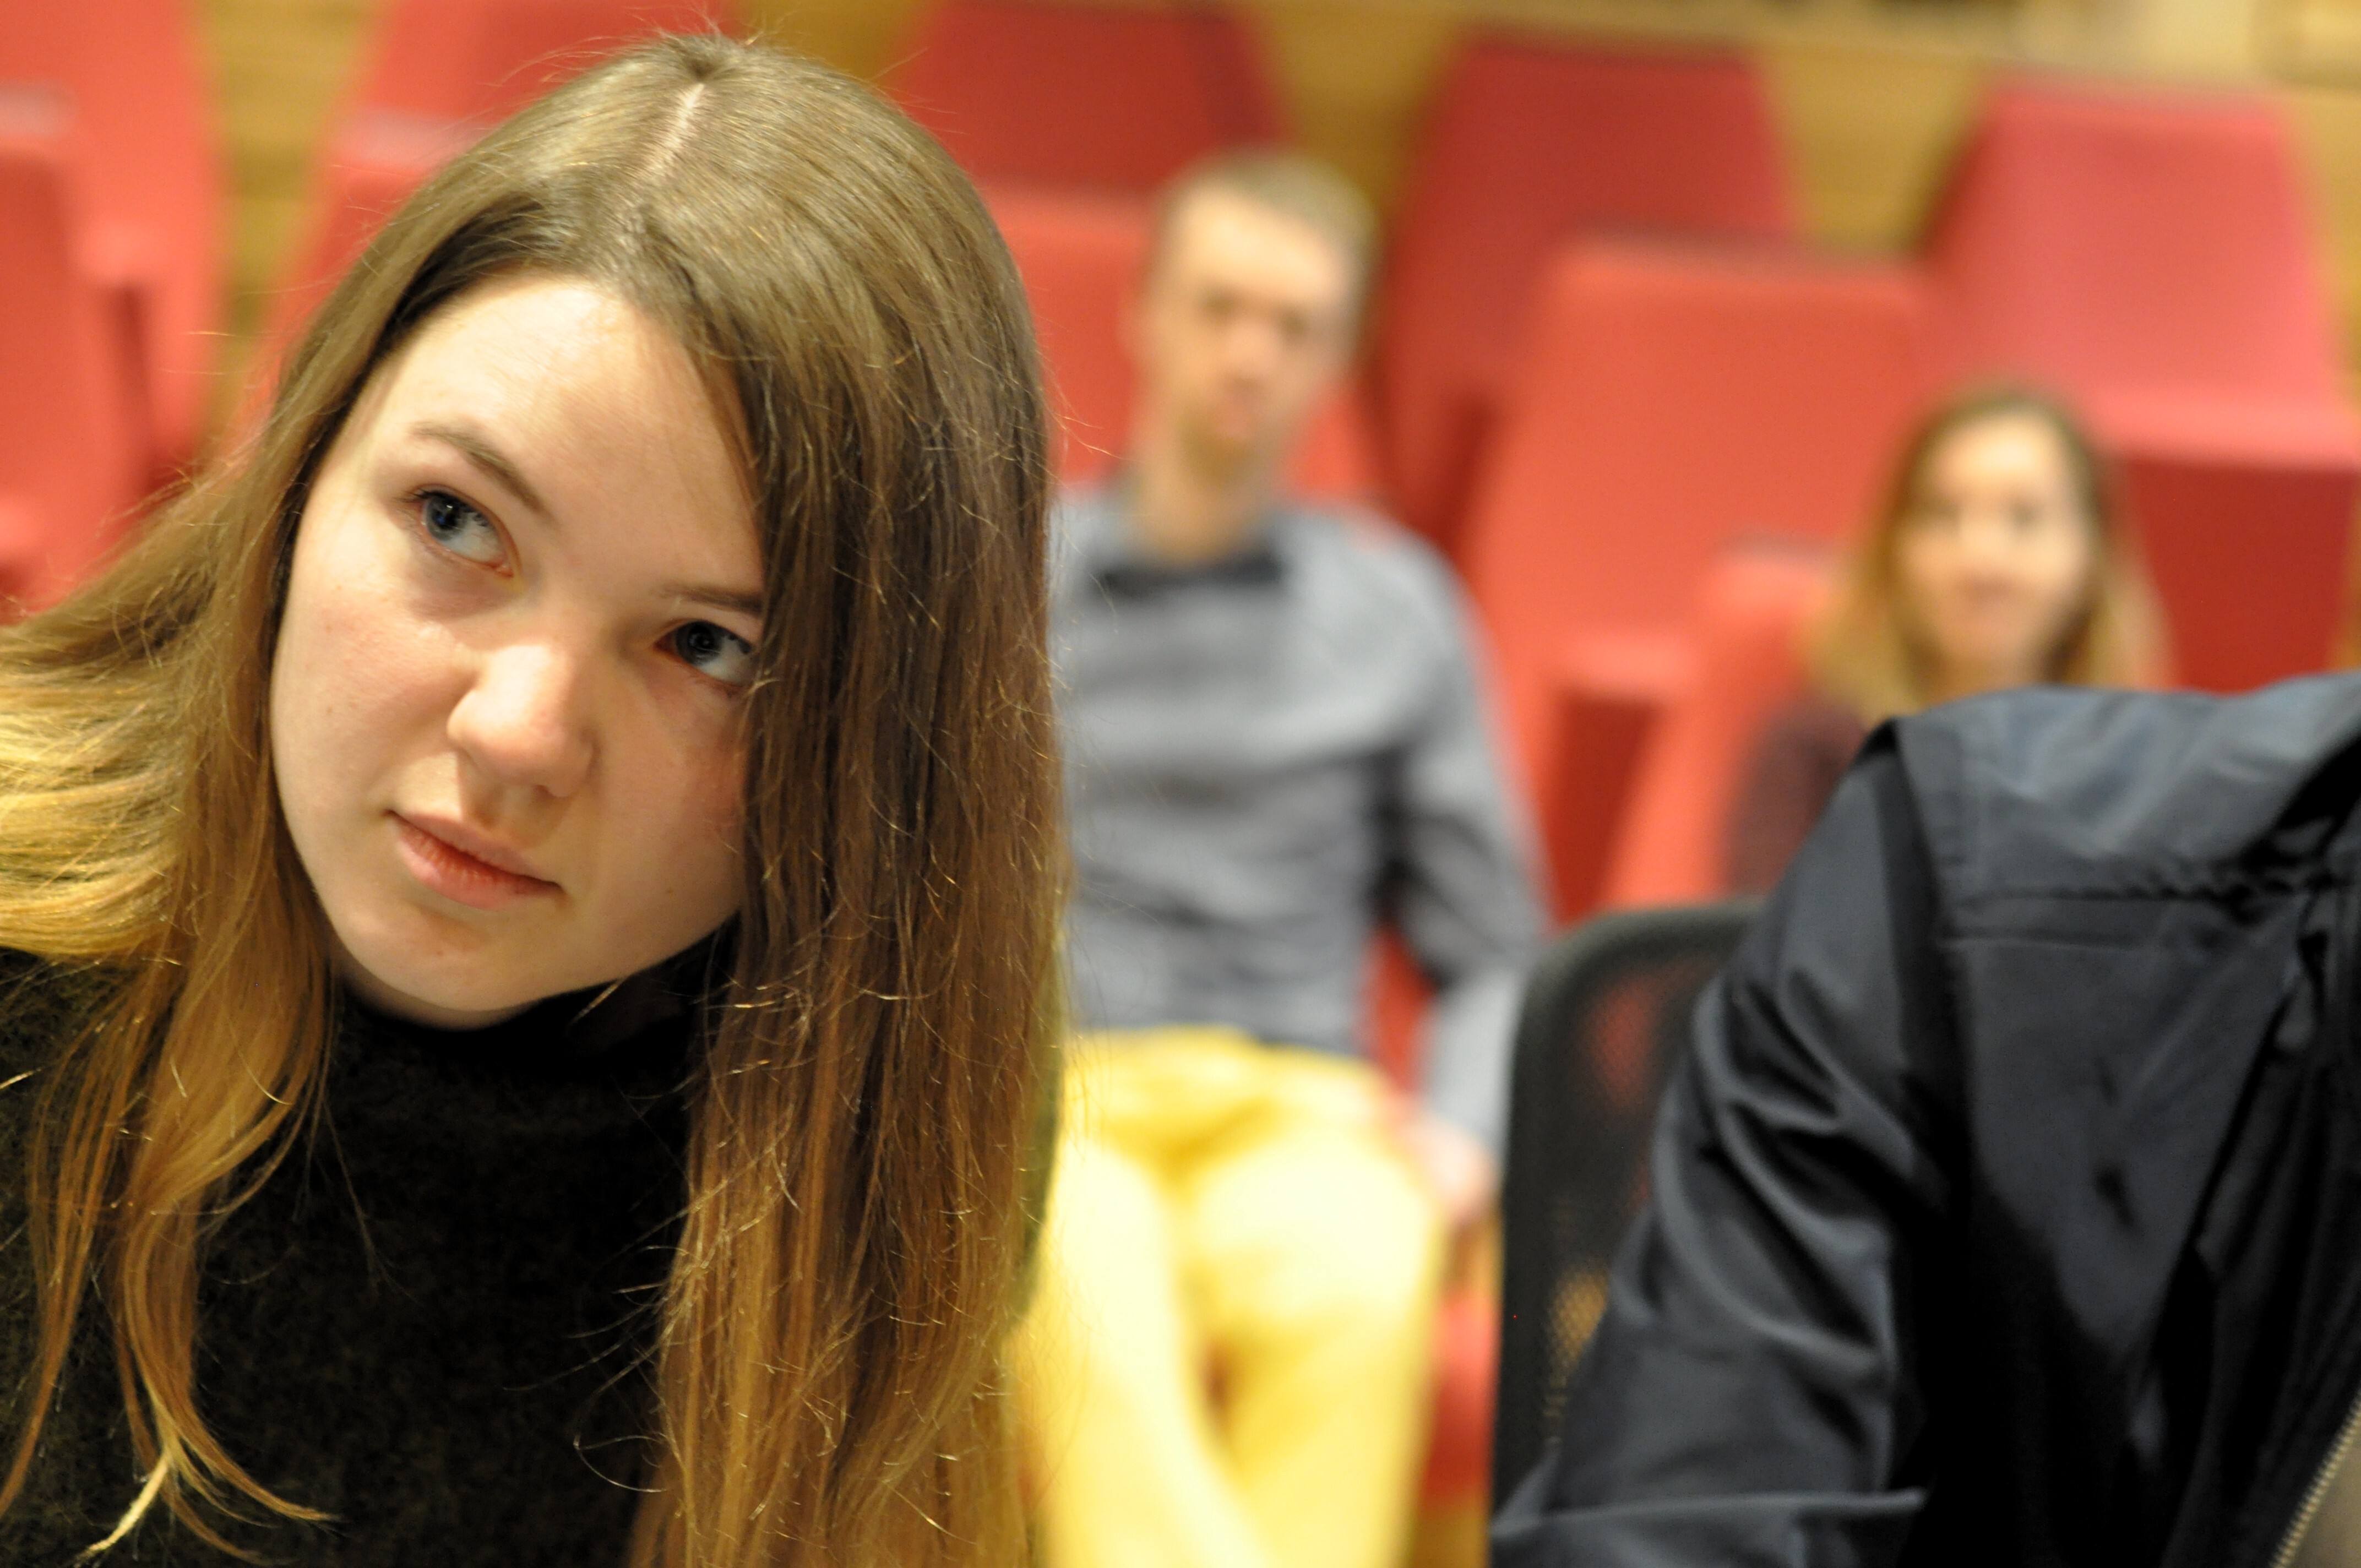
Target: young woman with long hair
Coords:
[[1999, 559], [532, 890]]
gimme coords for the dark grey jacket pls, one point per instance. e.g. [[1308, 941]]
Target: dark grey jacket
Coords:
[[2008, 1210]]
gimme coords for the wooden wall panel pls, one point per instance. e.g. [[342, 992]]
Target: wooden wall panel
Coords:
[[1356, 77], [1870, 131]]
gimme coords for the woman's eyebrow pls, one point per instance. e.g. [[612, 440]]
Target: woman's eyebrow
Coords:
[[484, 456], [717, 598]]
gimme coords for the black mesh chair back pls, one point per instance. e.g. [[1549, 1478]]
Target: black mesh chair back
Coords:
[[1606, 1018]]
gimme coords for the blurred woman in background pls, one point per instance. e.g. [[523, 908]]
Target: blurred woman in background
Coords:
[[2000, 560], [532, 893]]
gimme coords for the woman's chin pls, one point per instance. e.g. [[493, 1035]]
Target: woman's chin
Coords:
[[468, 993]]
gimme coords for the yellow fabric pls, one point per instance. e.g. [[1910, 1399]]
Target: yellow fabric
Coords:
[[1226, 1361]]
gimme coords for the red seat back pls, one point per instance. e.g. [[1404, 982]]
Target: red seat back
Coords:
[[376, 161], [1602, 697], [1081, 255], [2102, 238], [440, 72], [1528, 144], [2244, 509], [484, 60], [2153, 254], [1118, 97], [150, 184], [1746, 662], [71, 462], [1676, 400]]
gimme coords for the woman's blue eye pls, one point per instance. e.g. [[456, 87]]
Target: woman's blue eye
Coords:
[[459, 528], [711, 650]]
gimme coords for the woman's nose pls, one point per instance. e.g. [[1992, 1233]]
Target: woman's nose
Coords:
[[525, 721], [1987, 540]]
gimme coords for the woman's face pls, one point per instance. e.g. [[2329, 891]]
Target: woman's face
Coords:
[[1995, 562], [505, 707]]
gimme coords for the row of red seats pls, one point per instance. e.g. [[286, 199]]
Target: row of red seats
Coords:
[[1601, 355], [1672, 396], [2149, 253], [444, 72], [1523, 145], [2070, 248]]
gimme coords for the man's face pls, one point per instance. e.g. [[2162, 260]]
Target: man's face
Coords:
[[1244, 325]]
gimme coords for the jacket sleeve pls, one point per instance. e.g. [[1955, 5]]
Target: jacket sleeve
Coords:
[[1754, 1393]]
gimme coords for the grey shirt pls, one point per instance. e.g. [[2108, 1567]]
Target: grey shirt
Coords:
[[1265, 757]]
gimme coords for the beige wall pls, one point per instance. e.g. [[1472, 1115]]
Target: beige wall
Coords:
[[1872, 97]]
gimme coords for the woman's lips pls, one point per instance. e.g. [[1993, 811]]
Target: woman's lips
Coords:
[[459, 875]]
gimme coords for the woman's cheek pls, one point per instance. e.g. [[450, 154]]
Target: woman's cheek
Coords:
[[371, 676], [724, 825], [674, 805], [722, 831]]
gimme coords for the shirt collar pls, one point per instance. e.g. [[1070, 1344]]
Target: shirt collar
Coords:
[[1112, 559]]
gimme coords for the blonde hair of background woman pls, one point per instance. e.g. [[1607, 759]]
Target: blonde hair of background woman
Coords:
[[1866, 654], [827, 1370]]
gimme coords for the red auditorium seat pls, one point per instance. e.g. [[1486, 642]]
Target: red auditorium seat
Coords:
[[1745, 662], [1456, 1472], [484, 60], [2152, 254], [1081, 255], [1116, 97], [1527, 144], [1598, 697], [149, 184], [442, 71], [73, 462], [373, 164], [1674, 399]]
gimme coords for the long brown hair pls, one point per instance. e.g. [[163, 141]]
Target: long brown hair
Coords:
[[827, 1370], [1867, 655]]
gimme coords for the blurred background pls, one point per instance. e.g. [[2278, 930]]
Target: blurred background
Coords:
[[1870, 99]]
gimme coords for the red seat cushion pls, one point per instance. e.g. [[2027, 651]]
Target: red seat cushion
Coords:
[[1120, 98], [1752, 613], [1606, 693], [1528, 144], [1458, 1466]]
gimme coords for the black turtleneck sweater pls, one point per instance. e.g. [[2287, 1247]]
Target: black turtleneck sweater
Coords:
[[432, 1323]]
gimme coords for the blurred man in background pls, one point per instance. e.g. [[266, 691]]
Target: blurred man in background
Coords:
[[1277, 741]]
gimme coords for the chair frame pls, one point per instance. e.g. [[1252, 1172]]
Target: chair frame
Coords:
[[1544, 1163]]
